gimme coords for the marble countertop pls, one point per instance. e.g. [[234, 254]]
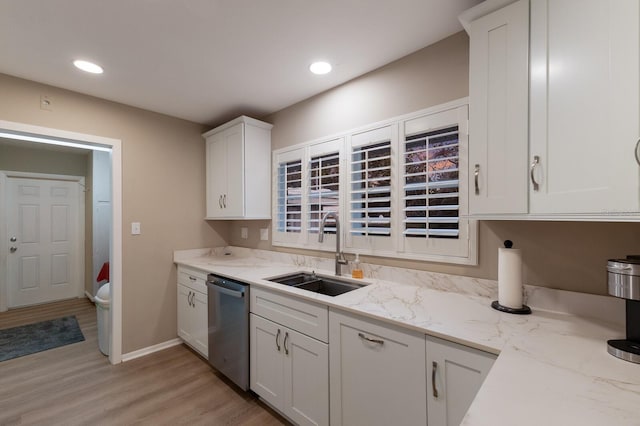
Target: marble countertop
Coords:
[[553, 367]]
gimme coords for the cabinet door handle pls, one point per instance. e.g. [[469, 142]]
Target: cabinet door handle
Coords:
[[189, 299], [278, 340], [534, 164], [434, 368], [286, 337], [220, 201], [636, 153], [476, 174], [224, 200], [369, 339]]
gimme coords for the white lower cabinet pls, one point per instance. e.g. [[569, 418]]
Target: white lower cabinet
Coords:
[[377, 373], [455, 374], [192, 310], [290, 371]]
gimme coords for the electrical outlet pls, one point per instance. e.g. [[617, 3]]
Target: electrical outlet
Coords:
[[46, 103], [264, 234], [244, 233]]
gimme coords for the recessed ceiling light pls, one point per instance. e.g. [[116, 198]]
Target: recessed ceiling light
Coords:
[[88, 66], [320, 67]]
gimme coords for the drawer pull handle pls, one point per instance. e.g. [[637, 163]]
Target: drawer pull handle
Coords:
[[278, 340], [476, 174], [534, 164], [369, 339], [192, 278], [286, 337], [434, 368]]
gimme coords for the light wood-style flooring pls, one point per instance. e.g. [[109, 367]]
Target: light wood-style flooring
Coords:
[[76, 385]]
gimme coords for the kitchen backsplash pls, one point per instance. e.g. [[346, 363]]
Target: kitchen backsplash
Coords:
[[582, 304]]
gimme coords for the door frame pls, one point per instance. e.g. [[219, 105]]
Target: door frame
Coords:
[[5, 175], [21, 131]]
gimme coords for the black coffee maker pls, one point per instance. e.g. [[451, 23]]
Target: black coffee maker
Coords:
[[623, 277]]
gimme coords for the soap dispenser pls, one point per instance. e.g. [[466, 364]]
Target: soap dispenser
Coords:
[[356, 268]]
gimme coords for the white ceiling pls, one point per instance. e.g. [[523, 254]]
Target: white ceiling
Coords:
[[210, 60]]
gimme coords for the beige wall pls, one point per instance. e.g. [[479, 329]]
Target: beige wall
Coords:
[[33, 160], [163, 188], [565, 255]]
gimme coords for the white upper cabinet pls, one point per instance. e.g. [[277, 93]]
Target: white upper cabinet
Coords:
[[498, 110], [585, 120], [565, 146], [238, 169]]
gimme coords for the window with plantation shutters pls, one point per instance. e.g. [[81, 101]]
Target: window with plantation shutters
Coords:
[[370, 203], [324, 190], [431, 184], [288, 196], [399, 188]]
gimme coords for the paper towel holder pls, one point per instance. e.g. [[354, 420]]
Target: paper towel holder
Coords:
[[524, 310]]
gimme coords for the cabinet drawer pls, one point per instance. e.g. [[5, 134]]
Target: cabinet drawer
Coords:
[[307, 318], [193, 278]]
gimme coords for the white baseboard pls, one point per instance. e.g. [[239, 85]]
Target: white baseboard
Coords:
[[90, 296], [151, 349]]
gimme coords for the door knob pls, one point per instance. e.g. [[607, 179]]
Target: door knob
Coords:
[[13, 239], [13, 249]]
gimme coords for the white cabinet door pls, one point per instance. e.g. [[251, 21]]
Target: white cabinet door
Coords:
[[200, 331], [234, 195], [306, 379], [455, 374], [585, 116], [192, 319], [225, 174], [498, 111], [216, 151], [290, 371], [377, 373], [185, 319], [266, 363]]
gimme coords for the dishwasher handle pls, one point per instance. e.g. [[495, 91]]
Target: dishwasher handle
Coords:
[[233, 293]]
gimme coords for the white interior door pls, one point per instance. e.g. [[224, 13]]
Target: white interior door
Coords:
[[43, 260]]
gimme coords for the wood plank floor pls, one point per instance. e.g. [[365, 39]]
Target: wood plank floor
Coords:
[[76, 385]]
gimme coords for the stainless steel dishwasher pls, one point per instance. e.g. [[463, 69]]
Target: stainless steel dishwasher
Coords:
[[229, 328]]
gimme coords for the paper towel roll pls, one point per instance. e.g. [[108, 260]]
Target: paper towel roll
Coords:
[[510, 277]]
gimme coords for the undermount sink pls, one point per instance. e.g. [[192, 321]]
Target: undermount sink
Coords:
[[328, 286]]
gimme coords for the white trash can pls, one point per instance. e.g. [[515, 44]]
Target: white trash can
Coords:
[[103, 301]]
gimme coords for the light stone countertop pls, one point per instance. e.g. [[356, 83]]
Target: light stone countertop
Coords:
[[553, 367]]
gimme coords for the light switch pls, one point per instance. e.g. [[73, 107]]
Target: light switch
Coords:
[[135, 228], [244, 233], [264, 234]]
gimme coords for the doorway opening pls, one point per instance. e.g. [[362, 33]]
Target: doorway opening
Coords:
[[108, 149]]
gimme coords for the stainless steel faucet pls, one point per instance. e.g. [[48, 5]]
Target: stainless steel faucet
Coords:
[[340, 260]]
